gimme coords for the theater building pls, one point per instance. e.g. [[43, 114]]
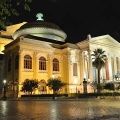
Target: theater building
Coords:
[[38, 51]]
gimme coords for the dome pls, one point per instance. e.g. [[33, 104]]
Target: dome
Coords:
[[40, 24], [41, 29]]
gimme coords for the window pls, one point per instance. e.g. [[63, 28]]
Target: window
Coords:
[[55, 64], [9, 64], [27, 62], [42, 63], [16, 62], [74, 69]]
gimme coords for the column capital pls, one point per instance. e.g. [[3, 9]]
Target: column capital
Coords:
[[20, 51]]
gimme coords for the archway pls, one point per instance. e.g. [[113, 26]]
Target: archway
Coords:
[[42, 87]]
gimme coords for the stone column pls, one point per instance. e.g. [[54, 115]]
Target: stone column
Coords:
[[110, 67], [86, 64], [118, 64], [21, 67], [107, 70], [34, 65], [90, 74], [82, 72], [49, 65], [83, 61], [115, 65]]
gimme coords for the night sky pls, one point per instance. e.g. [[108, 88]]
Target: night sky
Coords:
[[78, 18]]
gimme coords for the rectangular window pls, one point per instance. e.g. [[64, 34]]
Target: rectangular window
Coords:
[[75, 69]]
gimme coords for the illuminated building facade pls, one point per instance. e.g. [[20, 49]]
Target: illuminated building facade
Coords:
[[38, 51]]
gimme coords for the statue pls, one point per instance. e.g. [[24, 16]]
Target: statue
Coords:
[[39, 16]]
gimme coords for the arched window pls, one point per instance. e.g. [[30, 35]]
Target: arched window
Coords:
[[42, 86], [42, 63], [27, 62], [55, 64]]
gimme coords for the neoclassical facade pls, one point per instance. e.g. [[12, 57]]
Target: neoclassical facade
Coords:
[[39, 51]]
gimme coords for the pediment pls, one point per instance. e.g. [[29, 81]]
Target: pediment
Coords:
[[105, 40]]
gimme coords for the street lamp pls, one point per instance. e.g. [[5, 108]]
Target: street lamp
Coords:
[[4, 89]]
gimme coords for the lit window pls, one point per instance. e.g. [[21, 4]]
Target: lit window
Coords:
[[74, 69], [55, 64], [42, 63], [27, 62]]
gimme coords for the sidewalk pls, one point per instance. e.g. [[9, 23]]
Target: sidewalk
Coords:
[[59, 99]]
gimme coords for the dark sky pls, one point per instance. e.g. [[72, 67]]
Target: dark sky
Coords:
[[78, 18]]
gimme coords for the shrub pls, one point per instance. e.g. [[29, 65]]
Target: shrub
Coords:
[[109, 86], [29, 86]]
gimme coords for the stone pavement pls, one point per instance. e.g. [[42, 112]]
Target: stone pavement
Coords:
[[84, 109]]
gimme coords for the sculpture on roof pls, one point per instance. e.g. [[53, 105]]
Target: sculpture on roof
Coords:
[[39, 17]]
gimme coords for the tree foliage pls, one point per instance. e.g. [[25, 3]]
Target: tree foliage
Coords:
[[55, 84], [29, 86], [99, 59], [109, 86], [10, 8]]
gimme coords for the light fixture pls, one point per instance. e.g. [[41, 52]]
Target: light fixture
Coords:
[[4, 81]]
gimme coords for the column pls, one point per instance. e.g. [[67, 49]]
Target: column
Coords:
[[119, 65], [86, 64], [115, 65], [21, 66], [110, 67], [82, 68], [34, 66], [90, 74], [49, 65], [107, 70]]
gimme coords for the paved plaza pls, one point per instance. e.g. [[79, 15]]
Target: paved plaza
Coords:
[[85, 109]]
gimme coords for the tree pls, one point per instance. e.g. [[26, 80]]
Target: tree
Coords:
[[10, 8], [99, 60], [29, 86], [55, 84]]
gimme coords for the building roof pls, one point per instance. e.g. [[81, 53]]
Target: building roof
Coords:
[[40, 24], [41, 29]]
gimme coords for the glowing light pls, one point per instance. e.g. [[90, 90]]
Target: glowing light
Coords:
[[53, 76], [4, 107], [4, 81]]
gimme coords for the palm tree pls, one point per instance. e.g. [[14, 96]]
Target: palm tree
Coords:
[[55, 84], [99, 60]]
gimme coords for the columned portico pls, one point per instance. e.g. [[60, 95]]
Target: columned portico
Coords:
[[87, 65]]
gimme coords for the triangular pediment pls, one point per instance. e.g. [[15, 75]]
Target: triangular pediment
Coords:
[[105, 40]]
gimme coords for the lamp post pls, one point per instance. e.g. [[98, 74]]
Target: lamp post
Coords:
[[4, 89]]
